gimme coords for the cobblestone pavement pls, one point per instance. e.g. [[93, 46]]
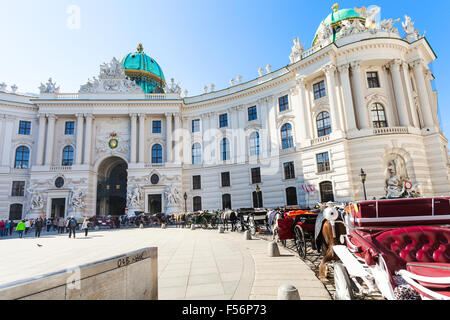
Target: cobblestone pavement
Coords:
[[192, 264]]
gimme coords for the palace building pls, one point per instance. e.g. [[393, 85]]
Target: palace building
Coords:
[[361, 98]]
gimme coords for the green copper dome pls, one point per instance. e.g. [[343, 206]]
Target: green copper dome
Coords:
[[144, 70], [335, 19]]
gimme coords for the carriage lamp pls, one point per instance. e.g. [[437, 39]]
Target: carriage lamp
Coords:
[[363, 180], [185, 198]]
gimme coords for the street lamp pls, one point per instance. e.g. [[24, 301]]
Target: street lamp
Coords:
[[185, 198], [258, 190], [363, 180]]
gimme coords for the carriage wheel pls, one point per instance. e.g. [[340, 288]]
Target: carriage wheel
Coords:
[[300, 241], [343, 283], [252, 226]]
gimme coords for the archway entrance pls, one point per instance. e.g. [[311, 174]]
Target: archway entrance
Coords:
[[112, 187]]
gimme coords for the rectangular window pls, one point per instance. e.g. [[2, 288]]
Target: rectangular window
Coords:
[[323, 162], [256, 175], [70, 128], [196, 182], [252, 113], [156, 126], [225, 179], [283, 102], [289, 170], [319, 90], [18, 189], [372, 80], [196, 125], [25, 127], [223, 120]]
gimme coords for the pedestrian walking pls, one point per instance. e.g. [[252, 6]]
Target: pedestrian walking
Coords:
[[7, 227], [85, 226], [21, 227], [2, 228], [11, 227], [49, 223], [39, 224], [27, 226], [61, 225], [55, 224], [72, 225]]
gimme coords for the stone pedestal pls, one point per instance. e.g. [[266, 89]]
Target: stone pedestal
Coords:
[[172, 209], [35, 213]]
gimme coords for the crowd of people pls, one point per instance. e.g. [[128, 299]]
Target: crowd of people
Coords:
[[61, 225]]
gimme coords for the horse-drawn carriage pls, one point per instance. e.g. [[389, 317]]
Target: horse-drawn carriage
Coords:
[[399, 248], [296, 224], [203, 219], [251, 219]]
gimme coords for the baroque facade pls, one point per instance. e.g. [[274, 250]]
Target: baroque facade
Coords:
[[360, 98]]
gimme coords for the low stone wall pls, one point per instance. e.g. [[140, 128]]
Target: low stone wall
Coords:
[[132, 276]]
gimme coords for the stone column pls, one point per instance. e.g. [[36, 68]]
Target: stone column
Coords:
[[330, 71], [399, 93], [205, 134], [133, 139], [303, 112], [264, 146], [177, 138], [409, 93], [141, 138], [363, 114], [213, 129], [50, 139], [169, 137], [79, 143], [390, 116], [41, 140], [88, 139], [419, 75], [347, 96], [187, 145], [274, 134]]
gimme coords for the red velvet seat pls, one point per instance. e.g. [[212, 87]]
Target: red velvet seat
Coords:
[[417, 244]]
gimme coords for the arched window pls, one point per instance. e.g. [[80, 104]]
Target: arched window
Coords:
[[197, 203], [15, 211], [67, 158], [291, 196], [196, 153], [157, 153], [326, 191], [226, 201], [254, 144], [286, 136], [323, 124], [225, 149], [22, 158], [378, 116]]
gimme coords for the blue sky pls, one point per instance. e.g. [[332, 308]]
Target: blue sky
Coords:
[[196, 42]]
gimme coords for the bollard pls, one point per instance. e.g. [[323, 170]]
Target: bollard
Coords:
[[163, 226], [247, 235], [192, 227], [221, 229], [274, 251], [141, 226], [288, 292]]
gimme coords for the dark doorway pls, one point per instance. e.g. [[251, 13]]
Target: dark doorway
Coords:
[[58, 208], [257, 199], [326, 191], [154, 203], [112, 187], [291, 196]]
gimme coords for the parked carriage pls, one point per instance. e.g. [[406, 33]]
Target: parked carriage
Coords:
[[298, 225], [203, 219], [399, 248], [252, 219]]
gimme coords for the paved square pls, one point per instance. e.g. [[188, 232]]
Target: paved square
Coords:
[[192, 264]]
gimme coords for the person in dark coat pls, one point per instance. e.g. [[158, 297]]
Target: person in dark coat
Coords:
[[72, 225], [38, 225], [233, 220]]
